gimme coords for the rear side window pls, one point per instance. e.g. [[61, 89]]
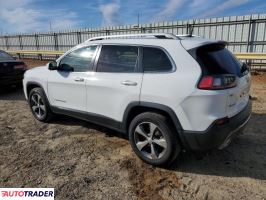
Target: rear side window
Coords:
[[5, 57], [216, 59], [115, 58], [155, 60]]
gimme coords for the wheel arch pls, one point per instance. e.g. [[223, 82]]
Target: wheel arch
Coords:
[[31, 84], [135, 108]]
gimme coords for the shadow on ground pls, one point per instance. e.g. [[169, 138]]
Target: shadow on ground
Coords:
[[66, 120], [12, 93], [244, 157]]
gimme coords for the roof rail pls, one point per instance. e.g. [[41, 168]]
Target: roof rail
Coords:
[[156, 35]]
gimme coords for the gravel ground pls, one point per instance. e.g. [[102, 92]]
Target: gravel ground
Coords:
[[84, 161]]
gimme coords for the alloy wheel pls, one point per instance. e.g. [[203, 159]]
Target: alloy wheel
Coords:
[[150, 140], [37, 106]]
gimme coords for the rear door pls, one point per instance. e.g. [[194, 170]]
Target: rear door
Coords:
[[116, 82], [215, 59]]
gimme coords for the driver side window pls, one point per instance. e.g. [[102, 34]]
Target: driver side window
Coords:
[[80, 59]]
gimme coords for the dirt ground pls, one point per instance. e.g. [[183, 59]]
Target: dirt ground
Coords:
[[84, 161]]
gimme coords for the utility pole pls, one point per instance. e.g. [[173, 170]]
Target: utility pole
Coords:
[[50, 26], [138, 19]]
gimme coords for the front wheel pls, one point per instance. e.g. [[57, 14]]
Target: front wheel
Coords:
[[39, 105], [153, 140]]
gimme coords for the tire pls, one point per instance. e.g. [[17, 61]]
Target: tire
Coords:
[[39, 105], [149, 131]]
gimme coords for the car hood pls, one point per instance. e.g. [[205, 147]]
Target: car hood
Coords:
[[38, 68], [37, 71]]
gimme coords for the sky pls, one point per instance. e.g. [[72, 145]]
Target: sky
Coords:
[[26, 16]]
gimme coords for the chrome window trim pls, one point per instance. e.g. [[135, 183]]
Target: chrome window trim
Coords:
[[137, 68], [77, 48], [169, 57], [140, 57]]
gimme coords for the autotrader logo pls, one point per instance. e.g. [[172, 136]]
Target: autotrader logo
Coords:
[[27, 193]]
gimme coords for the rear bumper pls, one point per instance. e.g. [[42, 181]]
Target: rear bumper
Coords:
[[218, 136]]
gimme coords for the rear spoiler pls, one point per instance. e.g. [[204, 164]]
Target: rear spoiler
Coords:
[[194, 43]]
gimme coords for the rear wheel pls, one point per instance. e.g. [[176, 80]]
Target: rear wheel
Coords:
[[153, 139], [39, 105]]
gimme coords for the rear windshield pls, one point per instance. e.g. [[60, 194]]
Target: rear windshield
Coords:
[[216, 59], [5, 57]]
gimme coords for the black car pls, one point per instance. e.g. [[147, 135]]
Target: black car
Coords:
[[11, 70]]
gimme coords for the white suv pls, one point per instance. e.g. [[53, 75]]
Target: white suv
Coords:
[[166, 92]]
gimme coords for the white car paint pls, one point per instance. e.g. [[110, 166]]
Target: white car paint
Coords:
[[65, 91], [108, 94], [104, 93], [36, 75]]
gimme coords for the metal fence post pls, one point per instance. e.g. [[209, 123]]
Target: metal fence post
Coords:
[[20, 42], [79, 37], [56, 42], [36, 41], [150, 28], [6, 40], [249, 31], [187, 27]]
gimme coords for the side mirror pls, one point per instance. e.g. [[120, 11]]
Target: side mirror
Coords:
[[52, 65], [65, 68]]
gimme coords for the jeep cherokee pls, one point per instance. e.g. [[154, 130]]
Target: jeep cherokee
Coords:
[[166, 92]]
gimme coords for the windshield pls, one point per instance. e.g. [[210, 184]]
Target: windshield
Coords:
[[5, 57]]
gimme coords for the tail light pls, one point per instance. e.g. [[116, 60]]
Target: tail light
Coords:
[[22, 66], [222, 121], [217, 82]]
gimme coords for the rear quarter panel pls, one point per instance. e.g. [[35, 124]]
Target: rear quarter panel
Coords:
[[173, 88]]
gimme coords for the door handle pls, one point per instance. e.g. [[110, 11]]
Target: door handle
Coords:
[[79, 79], [129, 83]]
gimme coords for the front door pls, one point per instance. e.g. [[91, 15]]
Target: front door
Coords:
[[67, 89]]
